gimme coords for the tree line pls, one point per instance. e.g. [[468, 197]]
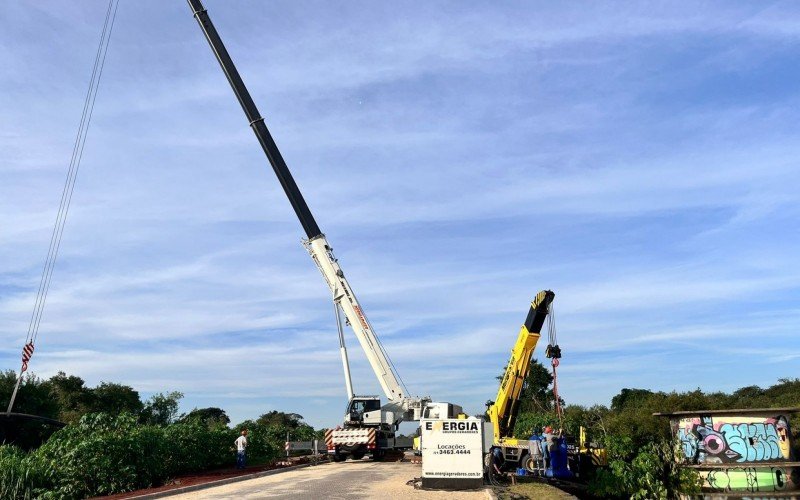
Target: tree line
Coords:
[[639, 445], [115, 442]]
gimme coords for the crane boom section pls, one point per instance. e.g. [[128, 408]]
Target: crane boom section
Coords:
[[503, 411], [316, 243], [256, 121], [343, 295]]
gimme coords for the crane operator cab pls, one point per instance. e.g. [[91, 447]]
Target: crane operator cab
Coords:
[[360, 405]]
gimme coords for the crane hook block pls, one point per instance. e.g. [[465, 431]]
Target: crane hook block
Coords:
[[553, 351]]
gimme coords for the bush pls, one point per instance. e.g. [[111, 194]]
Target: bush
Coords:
[[103, 455], [268, 433], [264, 442], [193, 445], [22, 476], [651, 474], [125, 445]]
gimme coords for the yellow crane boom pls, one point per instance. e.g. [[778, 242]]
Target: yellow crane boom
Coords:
[[503, 410]]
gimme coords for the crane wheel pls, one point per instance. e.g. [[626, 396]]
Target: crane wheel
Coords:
[[357, 455], [529, 464]]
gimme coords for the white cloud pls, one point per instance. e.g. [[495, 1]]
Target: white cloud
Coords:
[[458, 166]]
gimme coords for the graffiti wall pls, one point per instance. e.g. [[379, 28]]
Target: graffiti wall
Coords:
[[734, 439], [751, 479], [745, 452]]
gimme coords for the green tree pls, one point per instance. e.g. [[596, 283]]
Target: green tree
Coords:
[[34, 398], [211, 416], [281, 419], [161, 409], [537, 390], [268, 433], [115, 399], [629, 397], [104, 454], [72, 396]]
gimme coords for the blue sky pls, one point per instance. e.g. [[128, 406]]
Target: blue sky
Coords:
[[640, 161]]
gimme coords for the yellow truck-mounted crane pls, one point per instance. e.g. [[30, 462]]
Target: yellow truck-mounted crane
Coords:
[[503, 410]]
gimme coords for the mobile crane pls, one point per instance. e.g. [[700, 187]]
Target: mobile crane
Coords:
[[502, 412], [368, 426]]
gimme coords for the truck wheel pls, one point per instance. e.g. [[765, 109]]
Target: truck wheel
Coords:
[[339, 456], [529, 464], [378, 455]]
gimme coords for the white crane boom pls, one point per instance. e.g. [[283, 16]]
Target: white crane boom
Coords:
[[400, 405], [345, 298]]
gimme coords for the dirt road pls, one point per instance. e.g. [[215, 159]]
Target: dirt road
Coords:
[[336, 481]]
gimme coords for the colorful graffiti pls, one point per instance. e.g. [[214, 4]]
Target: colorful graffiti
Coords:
[[732, 439], [751, 479], [737, 452]]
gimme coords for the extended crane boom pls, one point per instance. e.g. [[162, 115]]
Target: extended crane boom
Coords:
[[256, 121], [368, 426], [503, 410], [317, 245]]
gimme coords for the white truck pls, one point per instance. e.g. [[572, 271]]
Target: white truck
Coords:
[[368, 427]]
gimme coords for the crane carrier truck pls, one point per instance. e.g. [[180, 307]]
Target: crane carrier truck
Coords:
[[369, 427]]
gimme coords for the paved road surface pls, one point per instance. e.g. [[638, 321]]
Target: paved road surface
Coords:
[[348, 480]]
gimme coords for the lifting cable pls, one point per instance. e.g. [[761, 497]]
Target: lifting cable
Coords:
[[66, 194], [386, 355], [554, 353]]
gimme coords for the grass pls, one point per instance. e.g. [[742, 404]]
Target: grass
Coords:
[[15, 472], [539, 491]]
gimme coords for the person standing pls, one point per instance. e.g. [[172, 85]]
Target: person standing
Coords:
[[547, 434], [241, 450], [535, 451]]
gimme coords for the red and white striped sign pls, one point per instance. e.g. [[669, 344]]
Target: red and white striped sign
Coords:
[[27, 353], [351, 437]]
